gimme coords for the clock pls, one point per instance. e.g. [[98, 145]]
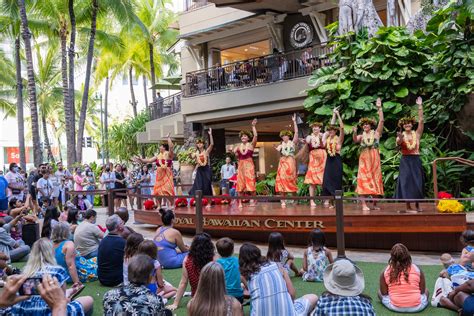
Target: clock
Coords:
[[301, 35]]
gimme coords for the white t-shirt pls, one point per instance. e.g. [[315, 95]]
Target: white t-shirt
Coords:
[[106, 176], [55, 182], [46, 186], [61, 175], [14, 179]]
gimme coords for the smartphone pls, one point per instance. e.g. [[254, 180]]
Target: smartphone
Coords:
[[30, 286]]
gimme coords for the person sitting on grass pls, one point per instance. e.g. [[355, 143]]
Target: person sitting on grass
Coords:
[[41, 263], [270, 287], [87, 236], [402, 283], [230, 264], [131, 248], [80, 269], [157, 285], [122, 212], [110, 253], [316, 257], [277, 253], [51, 219], [462, 296], [14, 249], [135, 297], [210, 297], [200, 253]]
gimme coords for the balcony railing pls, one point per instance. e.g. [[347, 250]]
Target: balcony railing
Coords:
[[257, 71], [190, 5], [165, 106]]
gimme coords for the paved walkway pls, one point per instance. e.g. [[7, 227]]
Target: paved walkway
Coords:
[[377, 256]]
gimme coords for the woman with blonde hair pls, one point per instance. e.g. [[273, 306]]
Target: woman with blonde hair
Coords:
[[210, 297], [41, 262]]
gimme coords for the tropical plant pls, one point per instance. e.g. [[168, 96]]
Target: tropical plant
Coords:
[[185, 156]]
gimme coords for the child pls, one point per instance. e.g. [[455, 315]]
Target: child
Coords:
[[230, 264], [131, 248], [467, 254], [158, 285], [277, 253], [316, 258]]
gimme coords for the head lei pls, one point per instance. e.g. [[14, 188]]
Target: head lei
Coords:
[[248, 133], [163, 143], [286, 132], [332, 127], [199, 140], [367, 120], [406, 120], [319, 124]]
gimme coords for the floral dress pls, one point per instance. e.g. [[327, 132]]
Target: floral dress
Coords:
[[317, 263]]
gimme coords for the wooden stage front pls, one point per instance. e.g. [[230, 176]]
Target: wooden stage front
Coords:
[[377, 229]]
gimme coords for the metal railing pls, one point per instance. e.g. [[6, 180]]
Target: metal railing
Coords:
[[164, 107], [190, 5], [257, 71]]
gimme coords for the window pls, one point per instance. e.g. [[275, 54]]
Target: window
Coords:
[[244, 52]]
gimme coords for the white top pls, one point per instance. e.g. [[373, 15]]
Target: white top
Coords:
[[46, 186]]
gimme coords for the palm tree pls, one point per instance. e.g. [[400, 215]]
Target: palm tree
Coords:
[[71, 133], [26, 34], [7, 84]]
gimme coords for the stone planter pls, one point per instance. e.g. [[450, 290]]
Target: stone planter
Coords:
[[186, 177]]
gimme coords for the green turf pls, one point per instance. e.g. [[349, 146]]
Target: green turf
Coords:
[[371, 273]]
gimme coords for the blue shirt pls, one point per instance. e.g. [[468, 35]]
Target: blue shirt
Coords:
[[3, 187], [333, 305], [232, 276], [110, 260]]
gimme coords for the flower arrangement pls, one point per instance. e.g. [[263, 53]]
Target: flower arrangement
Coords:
[[181, 202], [216, 201], [149, 205], [192, 202], [450, 206], [444, 195], [225, 201]]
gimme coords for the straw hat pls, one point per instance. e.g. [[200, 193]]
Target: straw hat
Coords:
[[344, 278]]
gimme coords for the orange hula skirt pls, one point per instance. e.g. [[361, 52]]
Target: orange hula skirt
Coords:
[[164, 182], [317, 162], [246, 181], [369, 176], [286, 175]]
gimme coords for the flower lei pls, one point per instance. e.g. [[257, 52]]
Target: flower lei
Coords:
[[315, 140], [287, 149], [244, 148], [368, 138], [201, 159], [162, 160], [410, 145], [331, 145]]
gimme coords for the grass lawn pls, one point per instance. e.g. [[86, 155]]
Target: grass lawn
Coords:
[[371, 273]]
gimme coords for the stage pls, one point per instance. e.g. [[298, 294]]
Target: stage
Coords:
[[377, 229]]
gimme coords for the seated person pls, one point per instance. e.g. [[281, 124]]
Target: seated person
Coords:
[[80, 269], [402, 283], [344, 283], [463, 298], [82, 203], [135, 297], [111, 252], [51, 219], [122, 212], [15, 249], [167, 239], [17, 207], [87, 236], [467, 254], [230, 264]]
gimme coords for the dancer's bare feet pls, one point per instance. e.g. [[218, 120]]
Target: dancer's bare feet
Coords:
[[283, 204], [326, 203], [241, 205], [365, 208], [252, 203], [312, 204]]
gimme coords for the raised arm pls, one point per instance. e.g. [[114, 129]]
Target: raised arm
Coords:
[[145, 160], [211, 142], [254, 130], [378, 104], [355, 137], [171, 146], [295, 126], [421, 126]]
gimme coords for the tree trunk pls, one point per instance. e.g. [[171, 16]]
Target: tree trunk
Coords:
[[68, 113], [58, 139], [106, 119], [25, 32], [132, 93], [145, 92], [19, 105], [47, 144], [152, 72], [71, 134], [85, 96]]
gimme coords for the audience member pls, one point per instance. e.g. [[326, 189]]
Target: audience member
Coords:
[[82, 203], [16, 182], [157, 285], [3, 194], [135, 297], [316, 258], [277, 298], [200, 253], [122, 212], [15, 249], [210, 297], [72, 218], [79, 180], [41, 263], [51, 219], [277, 253], [111, 252], [230, 264], [131, 248], [87, 236], [467, 254], [120, 185], [402, 283], [44, 187], [167, 239], [80, 269], [463, 297]]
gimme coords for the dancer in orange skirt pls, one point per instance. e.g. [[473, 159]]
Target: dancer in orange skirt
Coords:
[[369, 176], [286, 175], [246, 180], [317, 159], [164, 184]]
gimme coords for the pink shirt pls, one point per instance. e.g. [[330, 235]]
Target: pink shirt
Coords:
[[403, 293], [77, 183]]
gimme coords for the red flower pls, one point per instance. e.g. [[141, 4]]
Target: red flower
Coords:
[[225, 201], [181, 202], [216, 201], [193, 202], [444, 195], [149, 205]]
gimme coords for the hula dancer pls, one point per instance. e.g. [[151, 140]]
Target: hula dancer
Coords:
[[332, 179], [203, 179], [164, 185], [246, 181], [369, 176], [317, 159], [411, 176], [286, 175]]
